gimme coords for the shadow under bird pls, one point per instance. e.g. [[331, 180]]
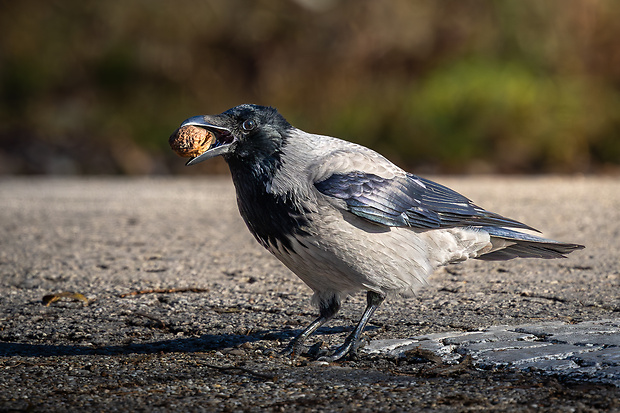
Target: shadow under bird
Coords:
[[345, 219]]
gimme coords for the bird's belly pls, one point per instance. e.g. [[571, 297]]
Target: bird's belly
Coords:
[[348, 255]]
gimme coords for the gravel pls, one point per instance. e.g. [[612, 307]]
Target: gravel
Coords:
[[187, 312]]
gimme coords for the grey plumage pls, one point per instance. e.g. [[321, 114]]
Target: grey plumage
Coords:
[[345, 219]]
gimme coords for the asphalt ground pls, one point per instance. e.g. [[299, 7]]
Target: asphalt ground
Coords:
[[186, 312]]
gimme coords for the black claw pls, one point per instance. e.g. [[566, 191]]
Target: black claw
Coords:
[[293, 348], [348, 351], [345, 352], [315, 349]]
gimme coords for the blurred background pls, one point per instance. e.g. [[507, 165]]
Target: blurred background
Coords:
[[448, 86]]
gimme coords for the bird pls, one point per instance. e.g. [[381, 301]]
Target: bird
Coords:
[[345, 219]]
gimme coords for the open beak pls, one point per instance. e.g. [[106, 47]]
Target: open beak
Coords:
[[221, 143]]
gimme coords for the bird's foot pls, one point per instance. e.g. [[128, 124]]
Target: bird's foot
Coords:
[[314, 351], [293, 349], [348, 351], [297, 349]]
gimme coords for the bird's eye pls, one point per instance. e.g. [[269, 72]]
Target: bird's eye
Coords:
[[248, 125]]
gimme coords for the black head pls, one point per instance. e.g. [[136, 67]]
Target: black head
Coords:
[[245, 133]]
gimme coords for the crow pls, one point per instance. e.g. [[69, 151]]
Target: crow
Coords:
[[345, 219]]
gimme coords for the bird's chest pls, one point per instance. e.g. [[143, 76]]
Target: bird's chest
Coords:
[[271, 218]]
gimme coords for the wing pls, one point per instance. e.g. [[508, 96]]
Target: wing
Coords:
[[408, 200]]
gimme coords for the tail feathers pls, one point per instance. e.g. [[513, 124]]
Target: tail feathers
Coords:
[[509, 244]]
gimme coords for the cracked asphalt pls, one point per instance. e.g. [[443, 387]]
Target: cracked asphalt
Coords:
[[185, 311]]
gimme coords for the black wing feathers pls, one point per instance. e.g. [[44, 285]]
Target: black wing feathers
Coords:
[[408, 200]]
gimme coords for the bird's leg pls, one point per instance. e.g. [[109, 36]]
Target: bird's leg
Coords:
[[327, 311], [351, 343]]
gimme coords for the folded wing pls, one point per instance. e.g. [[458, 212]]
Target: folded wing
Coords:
[[410, 201]]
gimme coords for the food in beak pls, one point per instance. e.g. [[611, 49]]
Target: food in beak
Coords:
[[191, 141]]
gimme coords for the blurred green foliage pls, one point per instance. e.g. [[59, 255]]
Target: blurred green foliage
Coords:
[[439, 86]]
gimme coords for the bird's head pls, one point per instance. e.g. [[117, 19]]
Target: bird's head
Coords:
[[246, 133]]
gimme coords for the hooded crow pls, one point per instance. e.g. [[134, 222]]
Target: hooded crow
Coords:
[[344, 218]]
